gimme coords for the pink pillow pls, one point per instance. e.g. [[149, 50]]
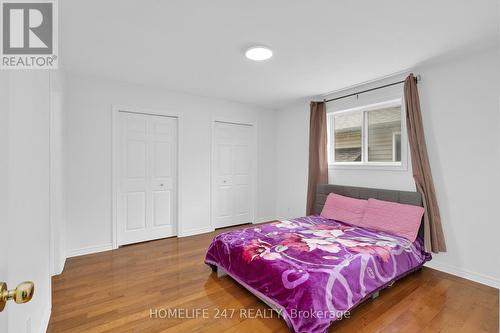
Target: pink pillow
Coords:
[[344, 209], [393, 218]]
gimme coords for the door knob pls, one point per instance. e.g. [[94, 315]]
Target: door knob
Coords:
[[22, 294]]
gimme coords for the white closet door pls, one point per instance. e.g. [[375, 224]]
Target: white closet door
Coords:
[[147, 194], [232, 177]]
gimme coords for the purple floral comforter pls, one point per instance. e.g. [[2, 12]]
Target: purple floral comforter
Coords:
[[314, 269]]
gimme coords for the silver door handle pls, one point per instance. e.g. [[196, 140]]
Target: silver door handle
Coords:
[[161, 184]]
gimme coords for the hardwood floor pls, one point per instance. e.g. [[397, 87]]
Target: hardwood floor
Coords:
[[116, 291]]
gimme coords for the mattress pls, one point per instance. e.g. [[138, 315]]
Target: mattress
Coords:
[[313, 270]]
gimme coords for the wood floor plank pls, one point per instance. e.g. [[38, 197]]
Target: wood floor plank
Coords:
[[116, 291]]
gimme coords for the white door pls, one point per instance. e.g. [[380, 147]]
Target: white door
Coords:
[[232, 174], [147, 189], [24, 196], [3, 277]]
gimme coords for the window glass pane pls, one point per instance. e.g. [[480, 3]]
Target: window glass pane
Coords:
[[384, 135], [348, 137]]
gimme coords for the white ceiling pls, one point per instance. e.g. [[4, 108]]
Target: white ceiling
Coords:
[[197, 46]]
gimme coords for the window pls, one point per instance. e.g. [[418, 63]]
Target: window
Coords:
[[368, 136], [348, 137]]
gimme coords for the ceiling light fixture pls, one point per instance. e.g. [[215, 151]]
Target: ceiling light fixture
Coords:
[[258, 53]]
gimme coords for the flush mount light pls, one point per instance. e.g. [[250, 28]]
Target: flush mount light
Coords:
[[258, 53]]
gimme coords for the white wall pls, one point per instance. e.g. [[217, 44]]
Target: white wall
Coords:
[[24, 148], [460, 101], [292, 149], [460, 106], [87, 156]]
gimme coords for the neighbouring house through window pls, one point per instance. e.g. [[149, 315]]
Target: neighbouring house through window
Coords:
[[367, 135]]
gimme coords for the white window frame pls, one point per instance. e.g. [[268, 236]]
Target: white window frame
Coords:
[[394, 134], [365, 164]]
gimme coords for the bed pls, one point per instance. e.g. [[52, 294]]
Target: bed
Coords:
[[313, 270]]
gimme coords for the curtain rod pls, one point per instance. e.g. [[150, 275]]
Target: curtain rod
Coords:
[[417, 78]]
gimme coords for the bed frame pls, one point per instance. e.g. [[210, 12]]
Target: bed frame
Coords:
[[322, 191]]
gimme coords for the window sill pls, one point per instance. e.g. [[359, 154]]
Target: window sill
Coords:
[[369, 166]]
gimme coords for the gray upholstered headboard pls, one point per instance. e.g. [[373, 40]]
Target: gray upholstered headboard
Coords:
[[404, 197]]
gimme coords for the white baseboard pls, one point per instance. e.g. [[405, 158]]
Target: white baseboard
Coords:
[[285, 218], [60, 267], [108, 247], [464, 273], [44, 325], [89, 250], [196, 231], [265, 219]]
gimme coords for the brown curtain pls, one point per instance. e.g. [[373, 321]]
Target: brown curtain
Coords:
[[318, 164], [433, 231]]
